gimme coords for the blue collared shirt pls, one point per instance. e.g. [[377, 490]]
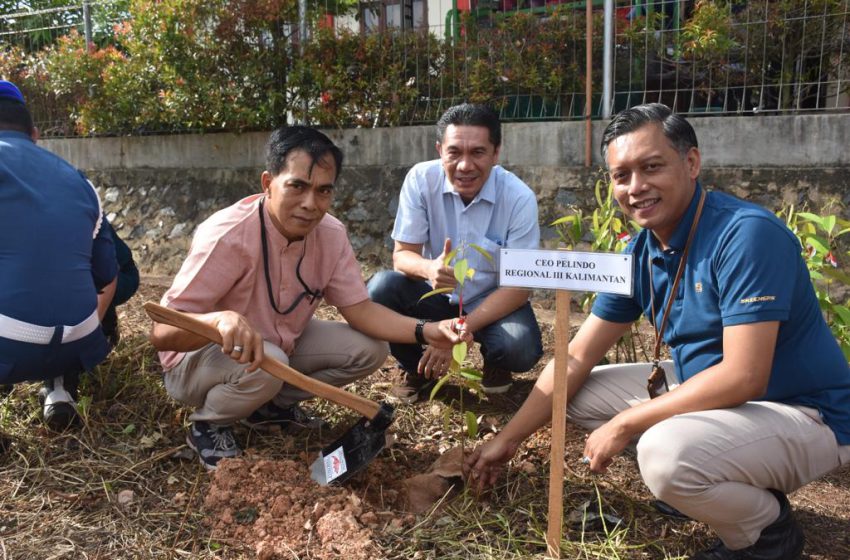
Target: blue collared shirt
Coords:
[[503, 214], [745, 266]]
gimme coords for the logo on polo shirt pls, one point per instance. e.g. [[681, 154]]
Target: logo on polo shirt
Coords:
[[698, 287], [757, 299]]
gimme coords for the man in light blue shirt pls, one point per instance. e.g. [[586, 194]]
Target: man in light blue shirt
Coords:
[[455, 202]]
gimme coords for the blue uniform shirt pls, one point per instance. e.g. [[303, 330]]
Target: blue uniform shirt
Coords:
[[503, 214], [745, 266], [53, 254]]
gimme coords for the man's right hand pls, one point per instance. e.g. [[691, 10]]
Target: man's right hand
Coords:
[[440, 275], [482, 468], [239, 340]]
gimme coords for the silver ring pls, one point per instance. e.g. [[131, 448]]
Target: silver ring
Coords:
[[237, 348], [585, 460]]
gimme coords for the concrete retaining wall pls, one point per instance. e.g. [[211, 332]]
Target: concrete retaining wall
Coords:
[[157, 188]]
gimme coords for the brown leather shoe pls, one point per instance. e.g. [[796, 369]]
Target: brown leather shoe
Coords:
[[410, 387], [781, 540]]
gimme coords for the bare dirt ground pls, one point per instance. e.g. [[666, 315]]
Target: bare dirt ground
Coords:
[[126, 486]]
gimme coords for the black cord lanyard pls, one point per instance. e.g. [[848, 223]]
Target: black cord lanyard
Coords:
[[312, 294]]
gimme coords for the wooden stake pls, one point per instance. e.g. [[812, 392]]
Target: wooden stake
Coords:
[[559, 424]]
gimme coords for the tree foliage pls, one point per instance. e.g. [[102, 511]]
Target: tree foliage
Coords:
[[179, 65]]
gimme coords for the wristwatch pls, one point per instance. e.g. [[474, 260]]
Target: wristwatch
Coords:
[[417, 332]]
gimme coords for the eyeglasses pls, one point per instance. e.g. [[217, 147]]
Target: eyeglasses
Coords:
[[311, 295], [656, 383]]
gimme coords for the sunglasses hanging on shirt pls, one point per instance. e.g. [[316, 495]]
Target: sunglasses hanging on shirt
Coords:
[[312, 295]]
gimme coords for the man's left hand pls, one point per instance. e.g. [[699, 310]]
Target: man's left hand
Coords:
[[604, 443]]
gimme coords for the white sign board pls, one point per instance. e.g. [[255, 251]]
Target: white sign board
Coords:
[[575, 271]]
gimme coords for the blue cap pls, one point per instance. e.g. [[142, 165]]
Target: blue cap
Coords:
[[8, 90]]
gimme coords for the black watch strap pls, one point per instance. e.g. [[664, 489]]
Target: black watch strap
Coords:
[[418, 331]]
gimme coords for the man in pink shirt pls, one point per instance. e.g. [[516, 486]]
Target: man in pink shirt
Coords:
[[257, 271]]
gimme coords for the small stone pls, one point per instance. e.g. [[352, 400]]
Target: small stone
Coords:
[[179, 230], [180, 499], [125, 497], [112, 195], [357, 214]]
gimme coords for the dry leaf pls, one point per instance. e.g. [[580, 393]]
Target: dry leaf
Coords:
[[126, 497]]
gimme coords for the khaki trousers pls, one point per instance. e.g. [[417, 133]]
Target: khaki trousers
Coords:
[[716, 465], [223, 392]]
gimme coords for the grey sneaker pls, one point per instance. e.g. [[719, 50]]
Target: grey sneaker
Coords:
[[212, 443], [271, 417], [60, 410]]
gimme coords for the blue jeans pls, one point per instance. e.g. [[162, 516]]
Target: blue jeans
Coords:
[[512, 343]]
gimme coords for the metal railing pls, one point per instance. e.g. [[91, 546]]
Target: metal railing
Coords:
[[398, 62]]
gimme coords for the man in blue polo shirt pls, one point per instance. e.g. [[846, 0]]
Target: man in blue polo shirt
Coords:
[[58, 264], [760, 399], [455, 202]]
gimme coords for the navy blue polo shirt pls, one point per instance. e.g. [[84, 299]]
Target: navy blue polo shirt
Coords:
[[745, 266], [51, 261]]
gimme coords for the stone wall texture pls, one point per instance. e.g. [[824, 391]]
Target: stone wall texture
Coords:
[[157, 189]]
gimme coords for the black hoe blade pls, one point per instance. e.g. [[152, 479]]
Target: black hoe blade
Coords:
[[354, 450]]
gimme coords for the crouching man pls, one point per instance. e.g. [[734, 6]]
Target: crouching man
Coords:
[[759, 399], [57, 266], [257, 271]]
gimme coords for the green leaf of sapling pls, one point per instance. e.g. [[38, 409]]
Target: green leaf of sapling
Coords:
[[439, 385], [435, 292], [459, 352], [471, 374], [448, 259], [484, 252], [471, 424], [461, 267]]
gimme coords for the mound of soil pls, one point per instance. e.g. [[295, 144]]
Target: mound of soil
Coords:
[[275, 508]]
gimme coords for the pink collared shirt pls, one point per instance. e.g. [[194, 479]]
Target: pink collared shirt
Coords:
[[224, 271]]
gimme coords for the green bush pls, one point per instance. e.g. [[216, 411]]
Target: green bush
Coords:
[[820, 238], [180, 65]]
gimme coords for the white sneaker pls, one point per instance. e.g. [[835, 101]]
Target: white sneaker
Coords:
[[60, 410]]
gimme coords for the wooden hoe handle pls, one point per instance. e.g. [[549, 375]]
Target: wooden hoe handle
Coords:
[[168, 316]]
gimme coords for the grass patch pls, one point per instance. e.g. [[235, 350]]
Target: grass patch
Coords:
[[124, 486]]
